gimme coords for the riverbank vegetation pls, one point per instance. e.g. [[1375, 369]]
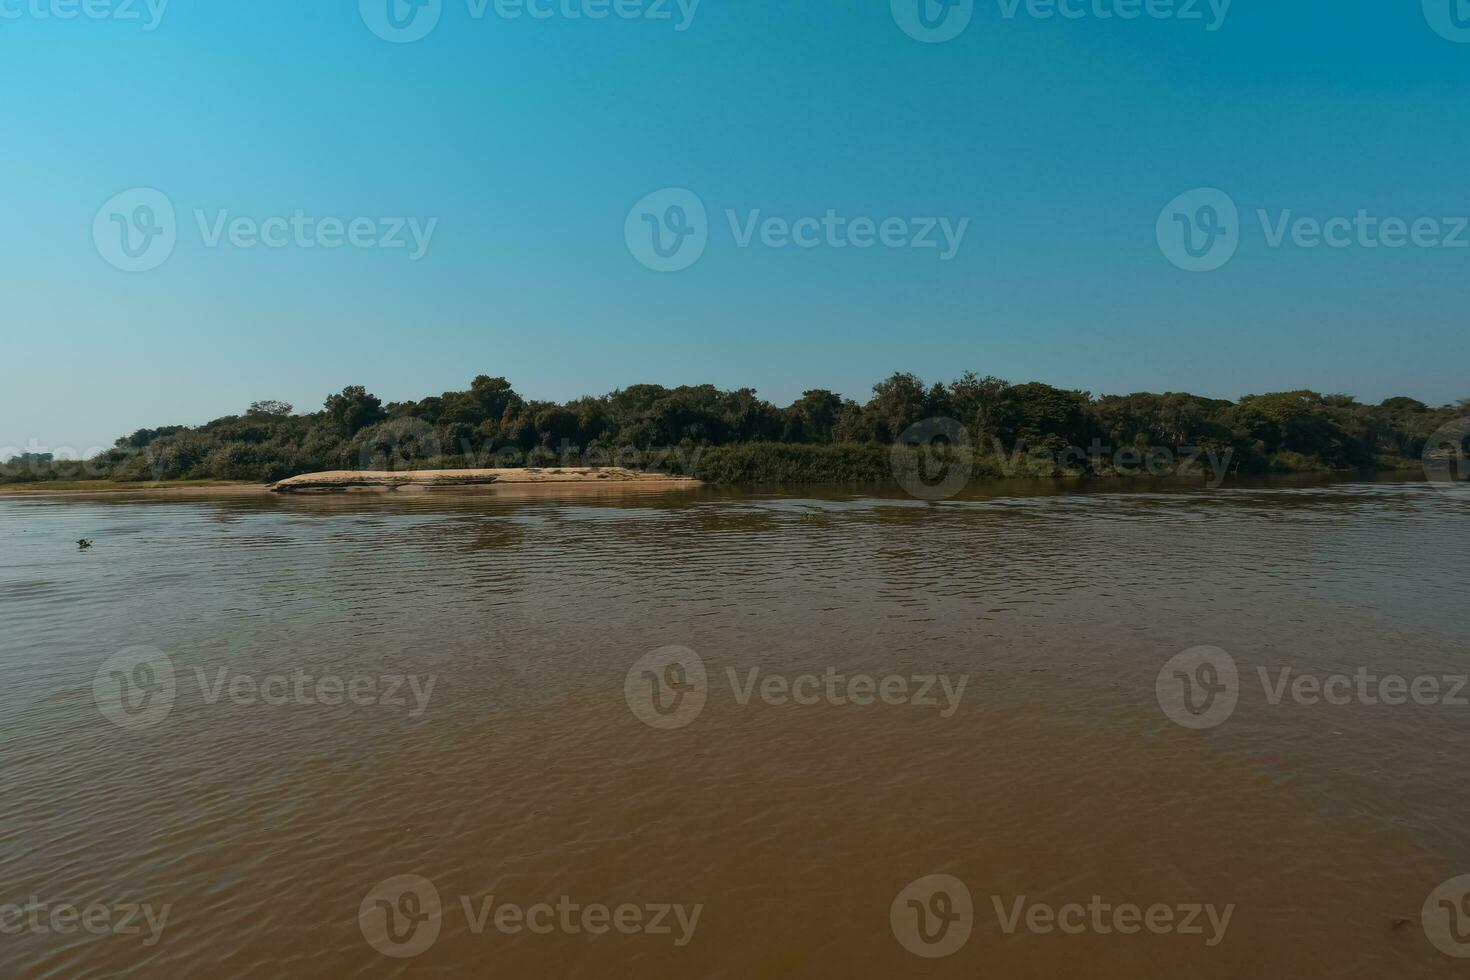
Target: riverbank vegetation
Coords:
[[1030, 429]]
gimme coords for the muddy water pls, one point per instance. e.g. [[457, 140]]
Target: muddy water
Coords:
[[401, 736]]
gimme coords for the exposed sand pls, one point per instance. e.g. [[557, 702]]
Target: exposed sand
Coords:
[[94, 488], [536, 480], [337, 481]]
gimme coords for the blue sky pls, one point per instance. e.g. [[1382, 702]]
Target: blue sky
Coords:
[[527, 141]]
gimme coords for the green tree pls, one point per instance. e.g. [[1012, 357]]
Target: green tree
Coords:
[[353, 409], [897, 403], [812, 417], [270, 407]]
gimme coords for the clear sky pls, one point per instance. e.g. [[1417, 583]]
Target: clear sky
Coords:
[[529, 141]]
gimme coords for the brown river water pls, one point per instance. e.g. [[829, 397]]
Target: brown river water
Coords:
[[738, 734]]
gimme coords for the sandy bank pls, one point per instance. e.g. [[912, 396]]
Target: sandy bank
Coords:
[[94, 488], [529, 481], [338, 481]]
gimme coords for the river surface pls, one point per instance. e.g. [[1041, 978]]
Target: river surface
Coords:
[[736, 734]]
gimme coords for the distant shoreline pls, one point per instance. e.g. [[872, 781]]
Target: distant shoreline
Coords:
[[532, 480], [342, 481], [527, 483], [733, 438], [89, 488]]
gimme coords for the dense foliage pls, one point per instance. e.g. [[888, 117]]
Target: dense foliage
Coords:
[[735, 436]]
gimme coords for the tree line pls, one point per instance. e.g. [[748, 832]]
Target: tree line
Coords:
[[489, 423]]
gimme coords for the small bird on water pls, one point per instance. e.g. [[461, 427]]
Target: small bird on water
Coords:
[[83, 544]]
